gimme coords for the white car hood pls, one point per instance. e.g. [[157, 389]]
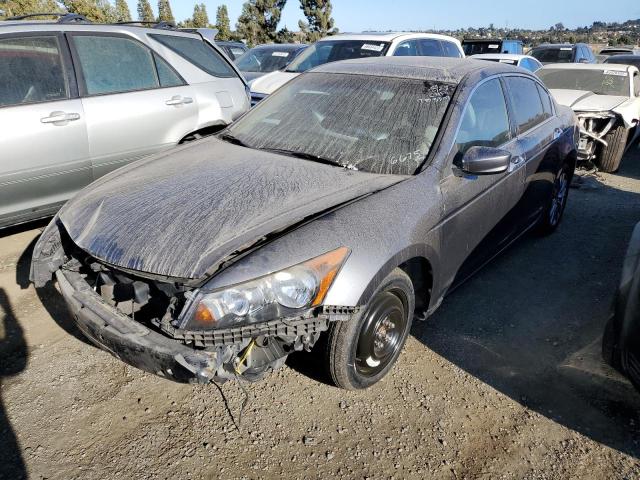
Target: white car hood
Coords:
[[270, 82], [584, 101]]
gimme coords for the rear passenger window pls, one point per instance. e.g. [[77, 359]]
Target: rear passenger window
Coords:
[[201, 54], [167, 75], [31, 71], [485, 122], [450, 49], [526, 103], [430, 48], [115, 64], [546, 102]]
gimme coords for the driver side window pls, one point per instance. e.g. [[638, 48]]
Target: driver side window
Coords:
[[485, 122], [636, 84]]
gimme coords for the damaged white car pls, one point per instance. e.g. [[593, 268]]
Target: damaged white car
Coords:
[[606, 99]]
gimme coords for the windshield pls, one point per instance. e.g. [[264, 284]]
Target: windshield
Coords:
[[333, 50], [374, 124], [265, 60], [553, 55], [474, 48], [600, 82]]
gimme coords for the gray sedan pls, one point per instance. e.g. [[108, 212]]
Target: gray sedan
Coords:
[[351, 201]]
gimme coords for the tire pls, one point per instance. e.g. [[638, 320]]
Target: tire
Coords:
[[552, 214], [361, 351], [610, 156]]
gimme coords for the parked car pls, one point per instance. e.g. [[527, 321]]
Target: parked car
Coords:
[[563, 53], [621, 340], [620, 50], [356, 196], [265, 59], [476, 46], [79, 100], [353, 46], [523, 61], [606, 98], [233, 50], [633, 60]]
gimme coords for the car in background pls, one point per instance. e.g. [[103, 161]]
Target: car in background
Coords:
[[79, 100], [354, 46], [477, 46], [621, 339], [265, 59], [233, 50], [625, 60], [523, 61], [620, 50], [353, 199], [563, 53], [606, 99]]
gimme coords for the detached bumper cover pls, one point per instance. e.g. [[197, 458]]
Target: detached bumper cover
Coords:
[[132, 342]]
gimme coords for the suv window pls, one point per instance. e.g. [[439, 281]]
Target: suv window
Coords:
[[201, 54], [31, 71], [525, 102], [450, 49], [485, 122], [407, 49], [430, 48], [167, 75], [115, 64], [546, 102]]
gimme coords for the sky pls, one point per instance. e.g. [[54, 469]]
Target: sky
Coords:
[[361, 15]]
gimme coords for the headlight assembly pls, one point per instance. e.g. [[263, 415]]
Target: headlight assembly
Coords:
[[283, 293]]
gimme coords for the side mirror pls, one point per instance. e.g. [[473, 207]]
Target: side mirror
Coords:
[[485, 161]]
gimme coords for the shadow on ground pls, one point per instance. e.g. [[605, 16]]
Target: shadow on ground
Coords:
[[530, 324], [13, 360]]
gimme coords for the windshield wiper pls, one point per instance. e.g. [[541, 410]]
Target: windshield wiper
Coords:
[[304, 156], [227, 137]]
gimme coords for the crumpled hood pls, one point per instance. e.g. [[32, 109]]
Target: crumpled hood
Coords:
[[180, 214], [269, 83], [583, 101]]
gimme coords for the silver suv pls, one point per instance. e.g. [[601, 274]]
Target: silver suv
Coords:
[[78, 100]]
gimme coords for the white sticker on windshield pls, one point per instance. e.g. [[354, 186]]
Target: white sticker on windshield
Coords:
[[566, 49], [279, 54], [510, 62], [373, 48], [617, 73], [494, 46]]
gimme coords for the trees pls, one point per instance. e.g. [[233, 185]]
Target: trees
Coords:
[[164, 12], [99, 11], [259, 20], [319, 21], [145, 13], [14, 8], [222, 23], [122, 11]]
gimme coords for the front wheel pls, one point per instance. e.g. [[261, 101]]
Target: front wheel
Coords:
[[554, 209], [361, 351], [611, 155]]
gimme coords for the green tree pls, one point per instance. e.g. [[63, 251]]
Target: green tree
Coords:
[[200, 17], [164, 12], [319, 21], [12, 8], [259, 20], [222, 23], [145, 12], [122, 11], [98, 11]]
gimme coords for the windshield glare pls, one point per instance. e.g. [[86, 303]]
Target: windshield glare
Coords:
[[600, 82], [553, 55], [374, 124], [265, 60], [335, 50]]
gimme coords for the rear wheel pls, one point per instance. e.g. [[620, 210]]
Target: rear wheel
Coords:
[[611, 155], [552, 214], [361, 351]]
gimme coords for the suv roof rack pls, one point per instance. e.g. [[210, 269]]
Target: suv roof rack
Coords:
[[159, 25], [62, 17]]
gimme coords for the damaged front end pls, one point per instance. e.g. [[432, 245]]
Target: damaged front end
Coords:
[[167, 327], [594, 126]]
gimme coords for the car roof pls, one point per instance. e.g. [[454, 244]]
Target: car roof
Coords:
[[490, 40], [280, 46], [384, 36], [613, 58], [587, 66], [444, 69], [557, 45], [19, 26], [500, 56]]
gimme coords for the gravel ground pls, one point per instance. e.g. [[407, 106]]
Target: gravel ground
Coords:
[[504, 381]]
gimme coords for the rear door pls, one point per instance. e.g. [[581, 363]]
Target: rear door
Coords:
[[44, 156], [478, 209], [136, 104]]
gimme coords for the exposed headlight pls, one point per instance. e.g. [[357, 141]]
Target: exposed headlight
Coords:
[[284, 293]]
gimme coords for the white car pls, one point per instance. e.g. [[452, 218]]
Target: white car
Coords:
[[524, 61], [358, 45], [606, 99]]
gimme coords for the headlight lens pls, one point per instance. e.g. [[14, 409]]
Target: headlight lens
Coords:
[[280, 294]]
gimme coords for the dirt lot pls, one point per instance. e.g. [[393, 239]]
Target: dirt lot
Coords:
[[504, 381]]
